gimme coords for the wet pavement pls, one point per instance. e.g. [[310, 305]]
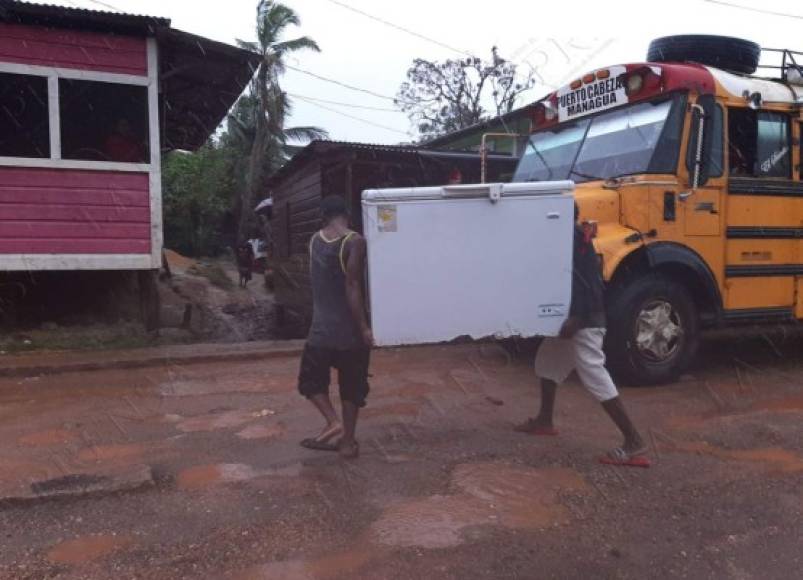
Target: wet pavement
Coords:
[[443, 489]]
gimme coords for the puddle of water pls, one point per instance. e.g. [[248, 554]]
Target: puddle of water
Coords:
[[87, 549], [49, 437], [521, 496], [782, 459], [338, 565], [215, 421], [486, 493], [262, 431], [431, 522], [202, 476]]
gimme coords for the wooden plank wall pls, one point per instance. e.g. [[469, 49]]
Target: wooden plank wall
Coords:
[[61, 211], [295, 219], [37, 45]]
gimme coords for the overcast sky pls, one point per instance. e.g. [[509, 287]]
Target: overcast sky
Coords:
[[558, 39]]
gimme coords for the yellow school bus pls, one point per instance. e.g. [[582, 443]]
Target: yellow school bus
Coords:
[[689, 164]]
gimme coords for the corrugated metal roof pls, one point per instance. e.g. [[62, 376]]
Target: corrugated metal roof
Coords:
[[84, 18], [319, 147]]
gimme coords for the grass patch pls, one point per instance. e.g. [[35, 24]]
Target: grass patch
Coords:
[[91, 337]]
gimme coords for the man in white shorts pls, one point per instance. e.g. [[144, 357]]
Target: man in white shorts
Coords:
[[579, 347]]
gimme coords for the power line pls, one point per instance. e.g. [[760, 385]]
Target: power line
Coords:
[[345, 85], [352, 105], [401, 28], [412, 32], [751, 9], [366, 121]]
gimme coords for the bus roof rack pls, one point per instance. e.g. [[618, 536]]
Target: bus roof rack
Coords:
[[791, 71]]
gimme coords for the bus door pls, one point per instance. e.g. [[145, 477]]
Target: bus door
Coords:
[[765, 205]]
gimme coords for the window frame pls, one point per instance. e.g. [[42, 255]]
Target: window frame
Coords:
[[789, 119], [678, 100], [46, 112], [53, 75]]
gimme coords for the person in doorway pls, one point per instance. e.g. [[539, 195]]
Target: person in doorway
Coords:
[[579, 347], [339, 337]]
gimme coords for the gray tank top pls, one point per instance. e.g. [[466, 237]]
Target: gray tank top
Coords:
[[332, 323]]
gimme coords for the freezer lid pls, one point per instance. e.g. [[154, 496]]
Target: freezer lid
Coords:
[[493, 191]]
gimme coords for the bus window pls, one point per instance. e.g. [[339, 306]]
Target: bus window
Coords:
[[24, 122], [758, 143], [774, 153]]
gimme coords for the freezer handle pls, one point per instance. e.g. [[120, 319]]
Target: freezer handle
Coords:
[[553, 215], [492, 190]]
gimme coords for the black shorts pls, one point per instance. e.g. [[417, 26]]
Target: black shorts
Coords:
[[352, 372]]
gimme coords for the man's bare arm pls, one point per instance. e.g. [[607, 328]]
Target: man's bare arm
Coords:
[[355, 278]]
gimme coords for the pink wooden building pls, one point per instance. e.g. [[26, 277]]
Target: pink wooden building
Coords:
[[88, 103]]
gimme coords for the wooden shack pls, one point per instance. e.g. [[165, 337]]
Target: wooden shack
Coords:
[[89, 101], [339, 168]]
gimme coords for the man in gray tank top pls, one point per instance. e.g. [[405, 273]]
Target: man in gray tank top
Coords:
[[339, 336]]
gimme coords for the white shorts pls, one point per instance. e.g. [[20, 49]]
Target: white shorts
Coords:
[[557, 358]]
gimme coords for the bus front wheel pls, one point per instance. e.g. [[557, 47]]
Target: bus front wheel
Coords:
[[653, 330]]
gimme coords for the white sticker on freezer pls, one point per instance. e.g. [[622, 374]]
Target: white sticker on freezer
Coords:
[[386, 218]]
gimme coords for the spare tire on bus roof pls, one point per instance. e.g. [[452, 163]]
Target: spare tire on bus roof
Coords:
[[724, 52]]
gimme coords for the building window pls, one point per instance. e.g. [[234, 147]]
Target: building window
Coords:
[[759, 143], [24, 120], [104, 121]]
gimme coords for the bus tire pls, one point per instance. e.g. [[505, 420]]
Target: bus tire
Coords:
[[653, 330], [731, 54]]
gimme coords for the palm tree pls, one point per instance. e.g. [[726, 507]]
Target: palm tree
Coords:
[[263, 125]]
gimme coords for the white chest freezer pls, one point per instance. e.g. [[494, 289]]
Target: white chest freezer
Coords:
[[489, 260]]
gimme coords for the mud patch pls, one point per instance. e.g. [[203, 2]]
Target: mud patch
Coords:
[[87, 549], [112, 452], [262, 431], [500, 494], [791, 404], [774, 458], [49, 437]]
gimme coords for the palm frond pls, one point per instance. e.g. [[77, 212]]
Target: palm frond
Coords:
[[248, 45], [302, 43], [305, 133], [272, 20]]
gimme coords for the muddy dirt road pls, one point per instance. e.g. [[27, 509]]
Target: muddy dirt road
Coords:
[[211, 482]]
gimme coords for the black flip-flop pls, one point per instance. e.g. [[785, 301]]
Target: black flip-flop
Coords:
[[316, 445]]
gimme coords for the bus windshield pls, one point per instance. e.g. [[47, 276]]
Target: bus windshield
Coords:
[[639, 138]]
